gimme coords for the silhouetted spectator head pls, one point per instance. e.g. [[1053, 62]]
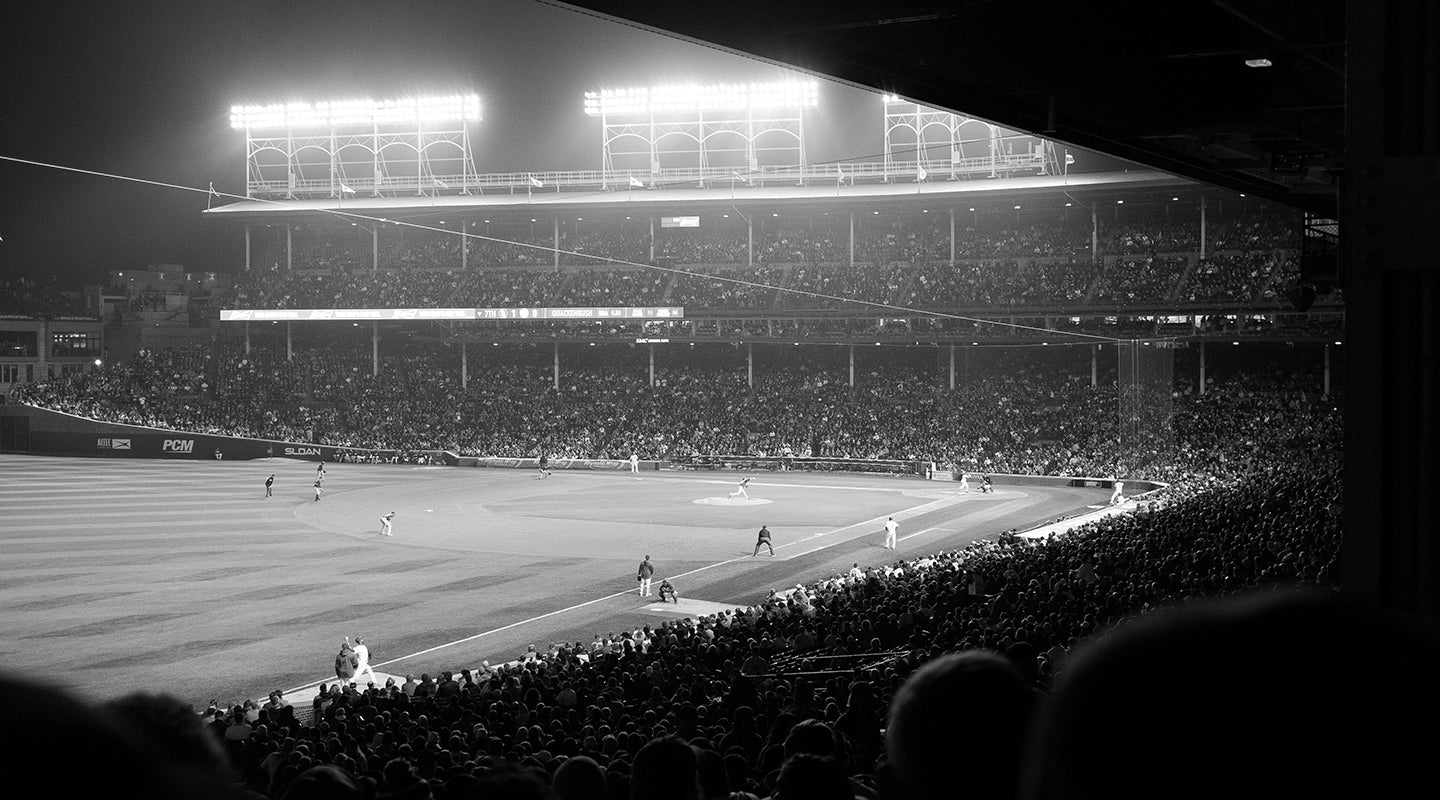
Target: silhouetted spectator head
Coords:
[[714, 784], [173, 730], [804, 776], [63, 748], [959, 721], [737, 772], [399, 781], [324, 782], [812, 737], [1289, 694], [580, 778], [665, 769], [512, 783]]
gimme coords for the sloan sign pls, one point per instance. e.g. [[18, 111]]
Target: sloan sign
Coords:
[[302, 451]]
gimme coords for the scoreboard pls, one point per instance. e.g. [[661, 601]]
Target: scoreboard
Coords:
[[517, 314]]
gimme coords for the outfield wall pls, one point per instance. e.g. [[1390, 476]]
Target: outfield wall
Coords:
[[40, 431], [56, 433]]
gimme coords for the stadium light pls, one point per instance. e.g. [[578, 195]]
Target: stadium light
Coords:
[[690, 98], [356, 113]]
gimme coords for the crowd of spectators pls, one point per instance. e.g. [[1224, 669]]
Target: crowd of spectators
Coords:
[[1233, 277], [811, 691], [1139, 280], [1015, 415], [744, 684], [736, 287], [1144, 260]]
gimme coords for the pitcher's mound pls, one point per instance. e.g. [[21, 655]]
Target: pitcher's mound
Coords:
[[730, 501]]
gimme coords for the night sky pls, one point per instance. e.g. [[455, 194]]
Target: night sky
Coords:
[[143, 89]]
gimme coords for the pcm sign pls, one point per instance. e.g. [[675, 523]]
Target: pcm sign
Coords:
[[177, 446]]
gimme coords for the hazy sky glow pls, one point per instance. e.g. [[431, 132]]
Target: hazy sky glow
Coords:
[[144, 89]]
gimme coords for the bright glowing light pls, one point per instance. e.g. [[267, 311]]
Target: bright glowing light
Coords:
[[351, 113], [1257, 62], [694, 97]]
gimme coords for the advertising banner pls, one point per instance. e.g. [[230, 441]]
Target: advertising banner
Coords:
[[388, 314]]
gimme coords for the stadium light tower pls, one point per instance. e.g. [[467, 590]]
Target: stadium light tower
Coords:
[[413, 145], [702, 132], [968, 146]]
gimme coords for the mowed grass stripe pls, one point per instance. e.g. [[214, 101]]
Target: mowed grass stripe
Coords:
[[173, 542], [132, 506], [180, 505]]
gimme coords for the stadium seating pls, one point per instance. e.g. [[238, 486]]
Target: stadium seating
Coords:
[[741, 683], [1253, 466], [1148, 260]]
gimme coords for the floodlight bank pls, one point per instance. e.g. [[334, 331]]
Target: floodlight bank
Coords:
[[349, 113]]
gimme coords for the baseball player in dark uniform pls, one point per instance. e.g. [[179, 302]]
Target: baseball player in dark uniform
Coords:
[[764, 539]]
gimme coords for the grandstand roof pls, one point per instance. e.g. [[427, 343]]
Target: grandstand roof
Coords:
[[1164, 84], [1123, 184]]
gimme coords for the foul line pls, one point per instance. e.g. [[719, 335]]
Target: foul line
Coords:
[[799, 485], [909, 512], [927, 530]]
